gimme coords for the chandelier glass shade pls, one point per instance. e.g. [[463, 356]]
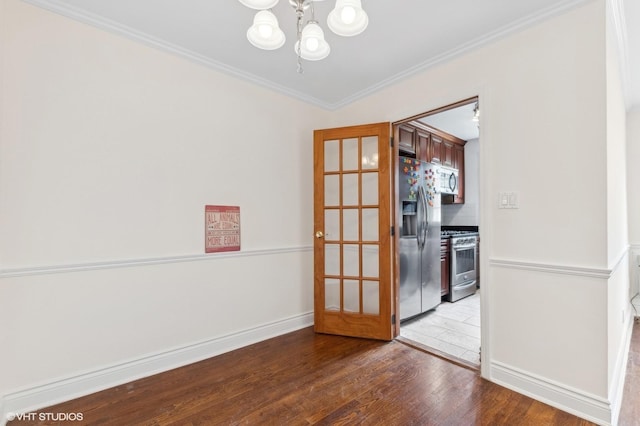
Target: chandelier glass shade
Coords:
[[312, 44], [259, 4], [265, 32], [346, 19]]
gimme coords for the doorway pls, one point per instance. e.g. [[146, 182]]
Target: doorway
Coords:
[[448, 137]]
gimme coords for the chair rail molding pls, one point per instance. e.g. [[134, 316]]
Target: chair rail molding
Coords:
[[128, 263]]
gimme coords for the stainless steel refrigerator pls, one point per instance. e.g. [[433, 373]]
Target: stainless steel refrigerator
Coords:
[[419, 238]]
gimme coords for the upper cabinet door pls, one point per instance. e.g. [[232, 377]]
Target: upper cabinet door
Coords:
[[407, 139]]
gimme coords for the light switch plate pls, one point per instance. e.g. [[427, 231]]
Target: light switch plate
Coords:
[[503, 200], [508, 200]]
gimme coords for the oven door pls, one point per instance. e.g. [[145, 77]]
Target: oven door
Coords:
[[463, 263]]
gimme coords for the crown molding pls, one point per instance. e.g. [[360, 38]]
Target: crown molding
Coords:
[[456, 52], [94, 20], [111, 26]]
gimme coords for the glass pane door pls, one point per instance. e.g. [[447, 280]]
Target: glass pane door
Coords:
[[352, 231]]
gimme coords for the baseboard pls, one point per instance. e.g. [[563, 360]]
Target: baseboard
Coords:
[[581, 404], [28, 400], [620, 371]]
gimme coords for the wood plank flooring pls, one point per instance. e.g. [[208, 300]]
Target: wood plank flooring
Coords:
[[303, 378]]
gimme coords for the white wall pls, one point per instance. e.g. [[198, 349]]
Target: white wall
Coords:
[[105, 167], [521, 86], [546, 266], [109, 151], [617, 231], [467, 214]]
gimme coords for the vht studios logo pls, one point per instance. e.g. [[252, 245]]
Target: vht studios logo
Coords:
[[43, 417]]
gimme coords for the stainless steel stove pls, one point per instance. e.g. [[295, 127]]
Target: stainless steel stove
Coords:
[[464, 271]]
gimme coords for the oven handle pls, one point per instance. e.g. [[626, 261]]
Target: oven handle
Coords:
[[464, 286], [463, 247]]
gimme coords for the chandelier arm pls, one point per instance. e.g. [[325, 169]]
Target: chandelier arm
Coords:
[[300, 14]]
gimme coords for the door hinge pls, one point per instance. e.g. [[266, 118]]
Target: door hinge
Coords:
[[391, 141], [393, 231], [393, 319]]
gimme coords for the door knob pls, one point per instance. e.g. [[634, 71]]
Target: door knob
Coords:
[[319, 234]]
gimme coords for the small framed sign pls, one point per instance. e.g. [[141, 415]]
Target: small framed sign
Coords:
[[222, 228]]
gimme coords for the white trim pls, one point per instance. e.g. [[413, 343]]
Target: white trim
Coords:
[[458, 51], [580, 271], [103, 23], [68, 388], [616, 389], [590, 407], [559, 269], [127, 263], [94, 20]]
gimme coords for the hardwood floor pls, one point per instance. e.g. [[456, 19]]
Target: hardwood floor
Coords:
[[303, 378]]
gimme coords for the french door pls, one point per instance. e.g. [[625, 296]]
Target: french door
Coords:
[[353, 277]]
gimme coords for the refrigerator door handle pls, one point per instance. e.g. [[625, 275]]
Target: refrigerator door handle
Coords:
[[420, 223], [426, 215], [423, 218]]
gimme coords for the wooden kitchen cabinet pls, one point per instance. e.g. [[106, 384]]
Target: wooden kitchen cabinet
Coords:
[[447, 154], [417, 140], [407, 139], [436, 149], [445, 244], [423, 145]]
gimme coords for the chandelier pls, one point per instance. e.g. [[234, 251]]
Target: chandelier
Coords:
[[346, 19]]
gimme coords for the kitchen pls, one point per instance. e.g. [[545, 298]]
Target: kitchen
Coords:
[[438, 202]]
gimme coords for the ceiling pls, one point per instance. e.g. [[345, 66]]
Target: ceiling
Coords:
[[403, 37], [457, 122]]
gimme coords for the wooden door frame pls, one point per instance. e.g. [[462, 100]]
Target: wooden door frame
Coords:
[[395, 155], [483, 262]]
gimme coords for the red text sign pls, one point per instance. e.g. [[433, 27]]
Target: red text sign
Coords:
[[222, 228]]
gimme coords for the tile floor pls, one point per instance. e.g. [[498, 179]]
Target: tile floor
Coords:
[[452, 328], [636, 305]]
